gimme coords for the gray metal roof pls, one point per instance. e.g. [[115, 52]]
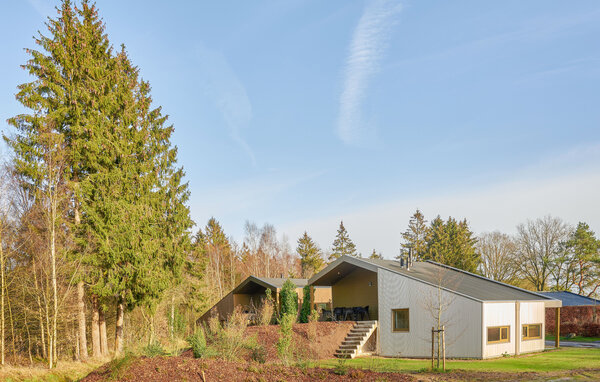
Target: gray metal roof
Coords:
[[464, 283], [571, 299], [253, 284], [278, 282]]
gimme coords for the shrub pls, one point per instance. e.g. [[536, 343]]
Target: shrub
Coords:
[[288, 299], [305, 310], [265, 312], [197, 342], [153, 349], [228, 340], [341, 368], [258, 354], [284, 344], [312, 325]]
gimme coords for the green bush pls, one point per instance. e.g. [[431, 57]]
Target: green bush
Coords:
[[341, 368], [305, 310], [153, 349], [288, 299], [284, 344], [197, 342]]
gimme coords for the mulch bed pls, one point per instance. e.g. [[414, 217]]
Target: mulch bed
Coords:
[[189, 369]]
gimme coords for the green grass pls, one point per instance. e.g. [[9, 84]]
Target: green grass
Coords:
[[556, 360], [574, 339]]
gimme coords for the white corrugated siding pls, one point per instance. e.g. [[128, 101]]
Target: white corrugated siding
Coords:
[[499, 314], [533, 313], [463, 317]]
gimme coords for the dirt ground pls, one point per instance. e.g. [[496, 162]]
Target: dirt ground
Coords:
[[184, 368], [327, 338]]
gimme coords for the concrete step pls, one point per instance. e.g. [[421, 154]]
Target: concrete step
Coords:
[[351, 342]]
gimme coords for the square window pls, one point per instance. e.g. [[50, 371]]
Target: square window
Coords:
[[400, 320]]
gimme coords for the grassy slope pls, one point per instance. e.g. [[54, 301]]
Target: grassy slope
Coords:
[[66, 371], [563, 359]]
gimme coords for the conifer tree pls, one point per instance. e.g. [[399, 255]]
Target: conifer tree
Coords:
[[415, 237], [342, 245], [375, 255], [311, 260], [452, 243]]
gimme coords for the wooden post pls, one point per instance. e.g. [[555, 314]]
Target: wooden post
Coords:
[[444, 347], [432, 345], [557, 328], [312, 298]]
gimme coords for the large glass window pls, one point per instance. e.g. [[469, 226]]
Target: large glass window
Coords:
[[400, 322], [497, 334], [532, 331]]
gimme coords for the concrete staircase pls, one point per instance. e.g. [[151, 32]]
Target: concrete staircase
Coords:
[[352, 346]]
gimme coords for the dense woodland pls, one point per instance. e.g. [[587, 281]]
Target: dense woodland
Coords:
[[97, 248]]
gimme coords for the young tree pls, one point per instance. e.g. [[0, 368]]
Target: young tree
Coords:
[[342, 245], [539, 245], [498, 256], [415, 237], [288, 299], [311, 260]]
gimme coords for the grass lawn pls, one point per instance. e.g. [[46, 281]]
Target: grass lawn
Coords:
[[575, 339], [554, 360]]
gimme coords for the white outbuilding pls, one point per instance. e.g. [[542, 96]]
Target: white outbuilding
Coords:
[[482, 318]]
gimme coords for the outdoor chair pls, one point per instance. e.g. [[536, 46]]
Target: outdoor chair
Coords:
[[348, 312], [337, 313], [361, 312]]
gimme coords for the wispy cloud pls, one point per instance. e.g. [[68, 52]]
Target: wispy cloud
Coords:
[[222, 85], [367, 48]]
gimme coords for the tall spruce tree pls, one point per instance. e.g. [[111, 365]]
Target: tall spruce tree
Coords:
[[415, 237], [311, 260], [342, 245], [452, 243], [128, 207]]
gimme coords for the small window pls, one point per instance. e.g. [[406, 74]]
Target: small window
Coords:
[[532, 331], [498, 334], [400, 321]]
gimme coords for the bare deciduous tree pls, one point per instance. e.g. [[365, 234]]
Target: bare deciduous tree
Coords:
[[539, 247], [498, 256]]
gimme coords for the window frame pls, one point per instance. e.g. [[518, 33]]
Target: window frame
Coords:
[[500, 341], [394, 330], [527, 337]]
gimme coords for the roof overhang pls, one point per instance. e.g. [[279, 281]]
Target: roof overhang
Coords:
[[552, 303], [339, 269], [252, 285]]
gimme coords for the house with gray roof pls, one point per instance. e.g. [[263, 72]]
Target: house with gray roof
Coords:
[[482, 318]]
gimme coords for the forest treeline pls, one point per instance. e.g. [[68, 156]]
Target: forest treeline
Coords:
[[97, 248]]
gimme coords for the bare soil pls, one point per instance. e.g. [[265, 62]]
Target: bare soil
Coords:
[[311, 343]]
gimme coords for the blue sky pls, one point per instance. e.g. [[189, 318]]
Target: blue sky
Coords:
[[302, 113]]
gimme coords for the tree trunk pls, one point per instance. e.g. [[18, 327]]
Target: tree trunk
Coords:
[[119, 327], [40, 310], [2, 298], [103, 339], [96, 350], [83, 351]]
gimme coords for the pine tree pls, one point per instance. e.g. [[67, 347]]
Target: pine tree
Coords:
[[415, 237], [452, 243], [584, 251], [342, 245], [376, 256], [311, 260]]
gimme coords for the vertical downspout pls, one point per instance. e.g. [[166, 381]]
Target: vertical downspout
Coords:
[[517, 328]]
